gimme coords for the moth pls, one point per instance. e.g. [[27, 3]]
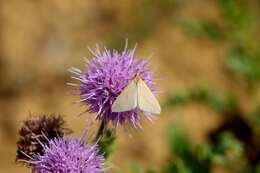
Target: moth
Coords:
[[136, 95]]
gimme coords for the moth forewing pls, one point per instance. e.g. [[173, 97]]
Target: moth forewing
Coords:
[[146, 101], [127, 99]]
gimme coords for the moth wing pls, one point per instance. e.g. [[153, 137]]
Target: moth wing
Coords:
[[127, 99], [146, 100]]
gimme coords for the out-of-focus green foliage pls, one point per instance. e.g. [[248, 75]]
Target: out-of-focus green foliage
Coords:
[[179, 143], [135, 167], [255, 118], [205, 95], [232, 11], [243, 58], [228, 142], [258, 169], [244, 65], [151, 171], [202, 29], [183, 159], [235, 140], [106, 143], [239, 29], [217, 152]]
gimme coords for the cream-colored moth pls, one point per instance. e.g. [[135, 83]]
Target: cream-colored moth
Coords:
[[136, 95]]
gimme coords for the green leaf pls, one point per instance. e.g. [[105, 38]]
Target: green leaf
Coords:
[[151, 171], [179, 143], [206, 29], [230, 143], [106, 143], [179, 98], [244, 65], [230, 9], [218, 102], [135, 167]]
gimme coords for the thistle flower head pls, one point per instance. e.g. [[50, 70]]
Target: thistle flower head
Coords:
[[105, 76], [71, 155], [32, 132]]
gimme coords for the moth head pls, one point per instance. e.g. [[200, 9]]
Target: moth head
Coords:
[[137, 77]]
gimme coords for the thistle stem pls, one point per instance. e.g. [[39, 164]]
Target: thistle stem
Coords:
[[101, 130]]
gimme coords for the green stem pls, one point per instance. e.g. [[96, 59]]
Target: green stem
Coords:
[[101, 130]]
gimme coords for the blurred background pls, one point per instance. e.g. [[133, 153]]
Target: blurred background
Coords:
[[207, 54]]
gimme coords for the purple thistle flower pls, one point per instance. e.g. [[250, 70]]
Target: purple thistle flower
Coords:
[[71, 155], [106, 75]]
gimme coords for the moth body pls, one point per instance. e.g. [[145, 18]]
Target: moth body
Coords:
[[136, 95]]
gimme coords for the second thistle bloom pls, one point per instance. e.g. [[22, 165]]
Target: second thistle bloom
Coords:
[[105, 76], [35, 129], [69, 155]]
